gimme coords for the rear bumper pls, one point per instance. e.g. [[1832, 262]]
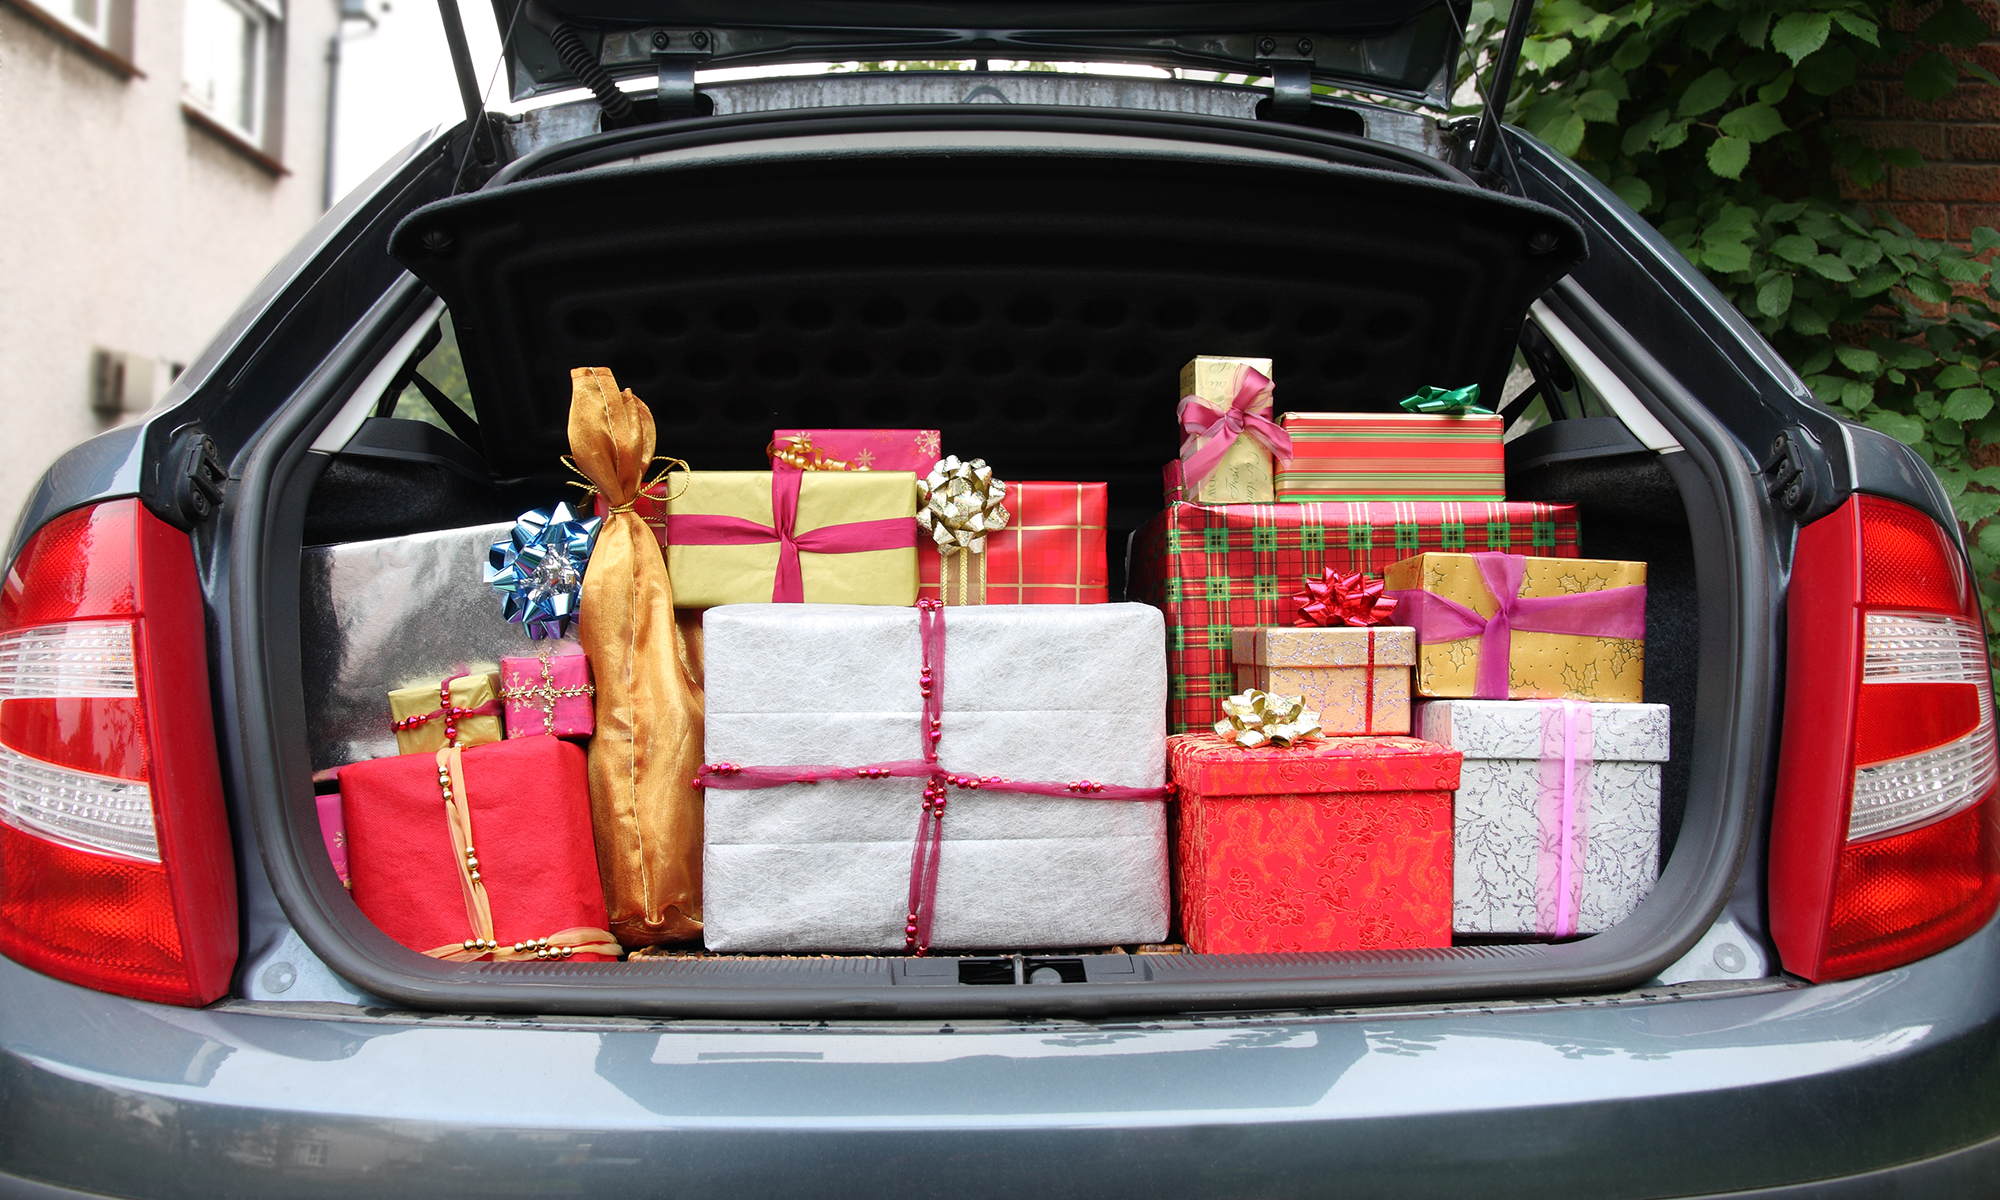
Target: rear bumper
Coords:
[[1626, 1096]]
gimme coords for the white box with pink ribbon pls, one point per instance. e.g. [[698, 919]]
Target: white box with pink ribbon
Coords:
[[1556, 823], [976, 777]]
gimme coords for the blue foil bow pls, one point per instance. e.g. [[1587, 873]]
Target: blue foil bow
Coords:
[[538, 568]]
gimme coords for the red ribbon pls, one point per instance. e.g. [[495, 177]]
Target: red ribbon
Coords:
[[928, 847], [1342, 600], [449, 711], [704, 529], [1249, 412], [1618, 612]]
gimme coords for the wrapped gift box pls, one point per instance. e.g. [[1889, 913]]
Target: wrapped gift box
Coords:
[[1244, 474], [913, 450], [1358, 679], [1031, 692], [1213, 568], [1532, 856], [529, 807], [333, 830], [464, 709], [1330, 844], [547, 694], [1051, 551], [1391, 456], [380, 615], [855, 533], [1575, 629]]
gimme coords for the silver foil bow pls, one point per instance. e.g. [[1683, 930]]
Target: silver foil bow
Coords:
[[538, 568]]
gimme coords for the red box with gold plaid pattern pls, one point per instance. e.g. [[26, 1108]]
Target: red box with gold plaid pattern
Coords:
[[1212, 568], [1051, 552]]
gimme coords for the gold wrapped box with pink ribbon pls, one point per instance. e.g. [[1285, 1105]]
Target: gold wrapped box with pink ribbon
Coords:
[[463, 710], [1229, 441]]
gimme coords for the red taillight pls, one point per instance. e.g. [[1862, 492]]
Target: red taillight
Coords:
[[1884, 846], [115, 868]]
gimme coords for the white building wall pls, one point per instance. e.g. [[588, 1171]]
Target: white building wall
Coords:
[[127, 225]]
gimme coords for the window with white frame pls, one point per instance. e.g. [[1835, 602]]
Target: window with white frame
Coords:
[[91, 18], [228, 61]]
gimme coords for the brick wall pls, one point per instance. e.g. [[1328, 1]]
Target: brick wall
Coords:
[[1958, 186]]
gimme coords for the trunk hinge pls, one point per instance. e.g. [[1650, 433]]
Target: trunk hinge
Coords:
[[468, 83], [1289, 62], [674, 56]]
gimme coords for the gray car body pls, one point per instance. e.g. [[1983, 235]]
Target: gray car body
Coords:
[[1884, 1085]]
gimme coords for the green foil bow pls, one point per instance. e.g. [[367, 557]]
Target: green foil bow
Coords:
[[959, 503], [1459, 402], [1257, 718]]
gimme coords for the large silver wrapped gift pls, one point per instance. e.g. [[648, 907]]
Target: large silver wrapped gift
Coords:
[[1556, 822], [1049, 693], [393, 613]]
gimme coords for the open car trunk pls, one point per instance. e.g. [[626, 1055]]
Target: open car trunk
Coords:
[[1029, 283]]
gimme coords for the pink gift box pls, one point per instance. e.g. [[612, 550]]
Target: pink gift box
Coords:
[[333, 827], [873, 449], [551, 695]]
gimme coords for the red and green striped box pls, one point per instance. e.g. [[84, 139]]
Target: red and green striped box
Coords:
[[1391, 456], [1212, 568]]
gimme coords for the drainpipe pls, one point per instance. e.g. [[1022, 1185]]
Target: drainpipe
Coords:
[[350, 10]]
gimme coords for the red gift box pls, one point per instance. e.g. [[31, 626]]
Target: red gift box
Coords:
[[551, 694], [860, 449], [1051, 551], [1331, 844], [528, 803], [1392, 456], [1216, 567]]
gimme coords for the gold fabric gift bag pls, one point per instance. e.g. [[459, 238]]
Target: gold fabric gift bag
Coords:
[[645, 809]]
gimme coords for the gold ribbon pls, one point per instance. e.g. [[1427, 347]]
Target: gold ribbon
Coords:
[[1256, 718], [547, 692], [664, 475], [799, 453], [478, 910], [958, 504]]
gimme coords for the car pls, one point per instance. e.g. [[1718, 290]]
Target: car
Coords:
[[1807, 1002]]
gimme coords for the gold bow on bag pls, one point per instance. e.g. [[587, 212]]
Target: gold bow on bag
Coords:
[[958, 504]]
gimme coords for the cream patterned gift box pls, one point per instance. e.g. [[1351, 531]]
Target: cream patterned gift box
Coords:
[[1556, 823]]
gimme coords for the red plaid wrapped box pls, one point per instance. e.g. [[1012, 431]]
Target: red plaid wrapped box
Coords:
[[1051, 551], [1215, 567]]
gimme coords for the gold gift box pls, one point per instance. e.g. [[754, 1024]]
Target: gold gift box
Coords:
[[467, 691], [1330, 668], [1541, 666], [705, 576], [1244, 475]]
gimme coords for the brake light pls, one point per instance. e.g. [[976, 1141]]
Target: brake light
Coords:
[[1884, 845], [115, 867]]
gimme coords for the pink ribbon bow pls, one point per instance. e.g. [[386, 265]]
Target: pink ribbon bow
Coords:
[[706, 529], [1618, 612], [1249, 412]]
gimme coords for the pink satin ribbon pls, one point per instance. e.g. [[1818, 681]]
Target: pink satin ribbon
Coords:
[[705, 529], [928, 847], [1249, 412], [1562, 815], [1618, 612]]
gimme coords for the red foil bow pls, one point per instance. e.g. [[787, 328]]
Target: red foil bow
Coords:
[[1342, 600]]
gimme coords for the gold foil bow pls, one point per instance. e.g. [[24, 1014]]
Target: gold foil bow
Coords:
[[959, 503], [1256, 718]]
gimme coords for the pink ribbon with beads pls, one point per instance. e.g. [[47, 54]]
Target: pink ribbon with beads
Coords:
[[928, 847]]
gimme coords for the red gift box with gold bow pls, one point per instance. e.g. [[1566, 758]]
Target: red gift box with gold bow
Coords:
[[1329, 844], [479, 853]]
